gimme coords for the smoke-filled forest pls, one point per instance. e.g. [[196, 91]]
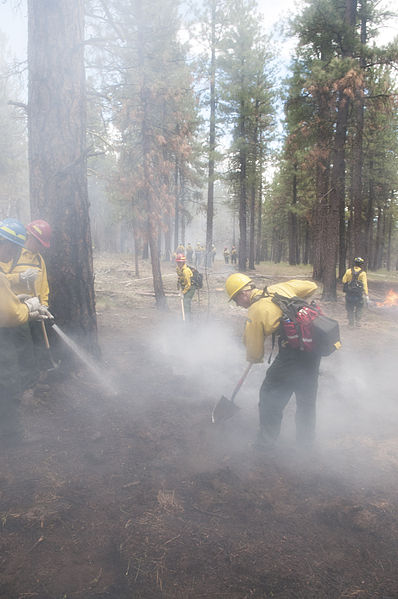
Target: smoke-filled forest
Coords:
[[153, 136]]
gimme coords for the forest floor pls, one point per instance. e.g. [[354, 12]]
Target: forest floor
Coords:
[[135, 494]]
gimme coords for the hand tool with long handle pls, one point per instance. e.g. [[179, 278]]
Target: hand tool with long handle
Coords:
[[225, 408], [54, 364], [47, 344], [182, 306]]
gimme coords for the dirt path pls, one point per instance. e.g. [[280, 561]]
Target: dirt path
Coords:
[[139, 495]]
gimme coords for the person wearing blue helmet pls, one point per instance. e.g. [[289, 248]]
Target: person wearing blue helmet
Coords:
[[13, 314]]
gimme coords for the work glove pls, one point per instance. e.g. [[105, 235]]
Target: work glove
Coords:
[[29, 277], [36, 310], [367, 300]]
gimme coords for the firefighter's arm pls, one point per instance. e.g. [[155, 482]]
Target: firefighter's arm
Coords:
[[364, 280], [254, 338], [187, 280], [12, 311], [262, 321], [300, 288], [346, 277], [42, 287]]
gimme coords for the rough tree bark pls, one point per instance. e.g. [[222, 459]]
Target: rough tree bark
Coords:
[[57, 158]]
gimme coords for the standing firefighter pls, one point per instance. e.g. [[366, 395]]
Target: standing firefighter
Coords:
[[292, 371], [28, 276], [355, 285], [226, 255], [13, 314], [234, 255], [189, 252], [184, 283]]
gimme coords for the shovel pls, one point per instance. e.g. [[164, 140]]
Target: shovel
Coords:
[[54, 364], [225, 408]]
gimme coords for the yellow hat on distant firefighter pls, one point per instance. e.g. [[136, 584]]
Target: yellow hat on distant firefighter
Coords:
[[236, 283]]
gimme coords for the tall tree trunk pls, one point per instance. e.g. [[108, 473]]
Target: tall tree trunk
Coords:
[[212, 139], [389, 238], [58, 158], [369, 219], [292, 222], [242, 193], [337, 195], [357, 240], [152, 216], [167, 238], [336, 199], [253, 186], [176, 207], [322, 184], [259, 208], [378, 245]]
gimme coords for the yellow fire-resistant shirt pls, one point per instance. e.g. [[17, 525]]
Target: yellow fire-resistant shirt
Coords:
[[12, 312], [184, 277], [347, 278], [27, 260], [263, 315]]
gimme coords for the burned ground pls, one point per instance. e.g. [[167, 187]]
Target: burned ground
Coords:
[[138, 495]]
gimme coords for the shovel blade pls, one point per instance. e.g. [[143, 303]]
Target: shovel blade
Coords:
[[224, 409]]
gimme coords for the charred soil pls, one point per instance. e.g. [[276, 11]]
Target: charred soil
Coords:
[[138, 495]]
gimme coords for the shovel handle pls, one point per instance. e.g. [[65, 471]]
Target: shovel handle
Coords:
[[241, 381], [182, 306], [43, 328]]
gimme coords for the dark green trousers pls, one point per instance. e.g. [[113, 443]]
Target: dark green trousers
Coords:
[[292, 371], [188, 301], [354, 307]]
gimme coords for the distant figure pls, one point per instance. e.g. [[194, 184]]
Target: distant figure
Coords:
[[189, 253], [234, 255], [180, 249], [198, 255], [226, 255], [355, 285]]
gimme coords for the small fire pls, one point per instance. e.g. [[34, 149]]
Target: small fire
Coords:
[[391, 300]]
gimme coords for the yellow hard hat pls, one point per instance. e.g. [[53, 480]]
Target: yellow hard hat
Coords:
[[236, 283]]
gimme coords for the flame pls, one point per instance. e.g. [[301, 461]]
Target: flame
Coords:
[[391, 299]]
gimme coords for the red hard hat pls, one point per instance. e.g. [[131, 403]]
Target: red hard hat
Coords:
[[180, 258], [41, 230]]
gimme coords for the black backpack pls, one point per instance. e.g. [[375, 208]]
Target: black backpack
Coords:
[[303, 326], [197, 278], [354, 289]]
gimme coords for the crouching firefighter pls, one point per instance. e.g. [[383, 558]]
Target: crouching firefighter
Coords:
[[13, 314], [292, 371]]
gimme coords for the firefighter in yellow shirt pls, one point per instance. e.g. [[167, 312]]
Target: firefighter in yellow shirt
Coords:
[[184, 283], [355, 286], [28, 276], [13, 314], [29, 273], [292, 371]]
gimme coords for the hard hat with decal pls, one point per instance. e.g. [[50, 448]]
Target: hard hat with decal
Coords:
[[12, 230], [41, 230]]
